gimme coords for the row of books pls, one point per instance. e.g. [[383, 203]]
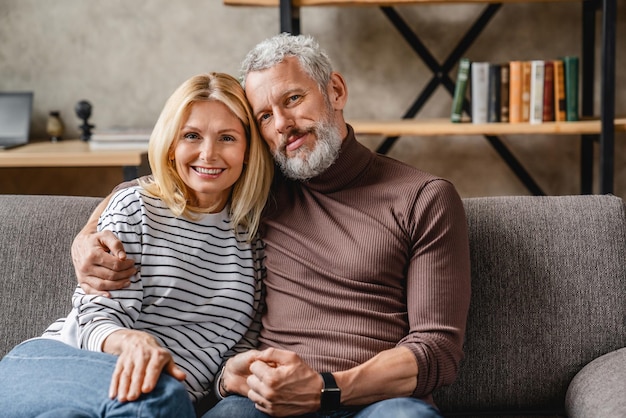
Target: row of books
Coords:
[[119, 138], [534, 91]]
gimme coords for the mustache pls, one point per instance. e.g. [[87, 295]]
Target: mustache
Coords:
[[294, 132]]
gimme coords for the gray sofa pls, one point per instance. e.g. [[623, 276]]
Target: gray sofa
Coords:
[[548, 307]]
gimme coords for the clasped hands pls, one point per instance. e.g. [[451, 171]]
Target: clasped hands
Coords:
[[277, 381]]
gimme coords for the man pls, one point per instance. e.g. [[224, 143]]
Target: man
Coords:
[[368, 277]]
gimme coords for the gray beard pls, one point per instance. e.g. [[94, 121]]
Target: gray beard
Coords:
[[308, 163]]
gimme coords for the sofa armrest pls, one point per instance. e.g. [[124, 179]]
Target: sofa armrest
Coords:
[[599, 389]]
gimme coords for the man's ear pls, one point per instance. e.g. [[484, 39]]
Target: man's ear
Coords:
[[337, 91]]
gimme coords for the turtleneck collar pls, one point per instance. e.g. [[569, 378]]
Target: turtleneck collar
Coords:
[[353, 158]]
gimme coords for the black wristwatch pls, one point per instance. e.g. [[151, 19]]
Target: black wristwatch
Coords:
[[331, 394]]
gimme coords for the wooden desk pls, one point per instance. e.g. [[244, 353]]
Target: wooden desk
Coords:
[[72, 153]]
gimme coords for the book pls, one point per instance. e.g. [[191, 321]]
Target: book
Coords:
[[493, 93], [526, 67], [121, 134], [120, 138], [515, 91], [570, 66], [460, 90], [118, 145], [479, 91], [504, 92], [548, 91], [559, 91], [537, 68]]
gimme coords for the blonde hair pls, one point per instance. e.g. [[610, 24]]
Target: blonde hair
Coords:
[[249, 192]]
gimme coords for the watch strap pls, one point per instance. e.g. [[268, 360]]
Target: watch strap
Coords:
[[331, 394]]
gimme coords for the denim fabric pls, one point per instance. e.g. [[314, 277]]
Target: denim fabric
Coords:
[[240, 407], [46, 378]]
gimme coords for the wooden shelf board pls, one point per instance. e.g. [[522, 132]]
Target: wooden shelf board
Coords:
[[67, 153], [76, 153], [433, 127], [303, 3]]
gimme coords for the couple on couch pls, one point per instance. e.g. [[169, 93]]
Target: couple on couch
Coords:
[[361, 280]]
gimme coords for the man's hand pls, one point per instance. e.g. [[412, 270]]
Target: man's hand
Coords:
[[140, 363], [281, 384], [99, 258], [100, 262]]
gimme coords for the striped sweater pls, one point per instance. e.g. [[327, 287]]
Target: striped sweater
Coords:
[[198, 290]]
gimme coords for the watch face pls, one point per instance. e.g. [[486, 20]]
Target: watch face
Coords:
[[331, 399]]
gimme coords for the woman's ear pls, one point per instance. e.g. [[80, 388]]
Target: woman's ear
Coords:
[[337, 91]]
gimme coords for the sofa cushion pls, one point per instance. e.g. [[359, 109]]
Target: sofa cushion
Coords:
[[548, 280], [37, 274]]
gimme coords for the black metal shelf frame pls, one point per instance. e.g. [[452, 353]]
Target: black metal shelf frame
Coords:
[[290, 22]]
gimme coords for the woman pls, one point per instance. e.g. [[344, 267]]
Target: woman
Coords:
[[196, 298]]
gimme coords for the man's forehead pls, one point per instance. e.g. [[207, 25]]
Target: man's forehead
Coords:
[[275, 82], [258, 90]]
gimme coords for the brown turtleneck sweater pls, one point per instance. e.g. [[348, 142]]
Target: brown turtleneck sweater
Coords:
[[368, 256]]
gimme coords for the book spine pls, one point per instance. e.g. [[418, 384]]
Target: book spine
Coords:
[[548, 91], [479, 91], [504, 92], [515, 91], [559, 91], [526, 77], [493, 94], [536, 91], [460, 89], [570, 64]]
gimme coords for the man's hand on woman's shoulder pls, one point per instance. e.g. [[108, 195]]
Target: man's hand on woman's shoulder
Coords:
[[100, 262]]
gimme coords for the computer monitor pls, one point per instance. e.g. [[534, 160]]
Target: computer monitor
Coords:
[[16, 109]]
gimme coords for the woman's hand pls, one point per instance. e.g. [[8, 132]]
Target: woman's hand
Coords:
[[141, 361]]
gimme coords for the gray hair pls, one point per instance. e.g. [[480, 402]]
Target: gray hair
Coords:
[[313, 60]]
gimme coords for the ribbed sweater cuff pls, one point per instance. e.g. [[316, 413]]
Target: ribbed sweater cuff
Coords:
[[98, 334]]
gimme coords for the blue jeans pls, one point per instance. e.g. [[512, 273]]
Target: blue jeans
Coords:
[[47, 378], [240, 407]]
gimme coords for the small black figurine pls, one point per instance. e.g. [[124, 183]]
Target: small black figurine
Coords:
[[83, 111]]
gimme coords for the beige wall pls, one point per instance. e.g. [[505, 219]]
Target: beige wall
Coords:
[[126, 57]]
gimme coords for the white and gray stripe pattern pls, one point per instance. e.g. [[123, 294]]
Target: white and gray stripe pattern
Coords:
[[198, 290]]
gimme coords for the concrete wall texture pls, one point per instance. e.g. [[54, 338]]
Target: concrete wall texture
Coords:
[[126, 57]]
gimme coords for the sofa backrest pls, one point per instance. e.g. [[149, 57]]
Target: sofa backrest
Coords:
[[548, 296], [37, 276]]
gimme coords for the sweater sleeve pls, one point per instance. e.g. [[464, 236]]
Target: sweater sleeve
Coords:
[[98, 316], [250, 340], [438, 285]]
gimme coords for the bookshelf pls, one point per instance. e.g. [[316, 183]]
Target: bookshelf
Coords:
[[601, 130]]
